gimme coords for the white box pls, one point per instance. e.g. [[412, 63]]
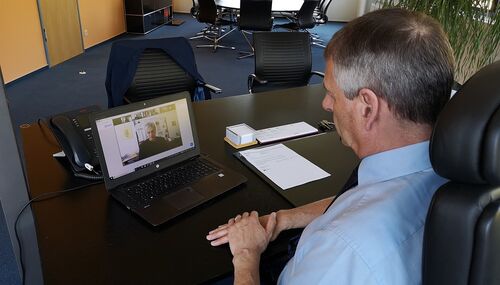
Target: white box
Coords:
[[240, 134]]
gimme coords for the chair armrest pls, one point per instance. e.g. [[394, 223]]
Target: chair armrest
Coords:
[[212, 88], [253, 77], [318, 73]]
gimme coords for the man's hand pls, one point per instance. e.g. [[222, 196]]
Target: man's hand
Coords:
[[246, 234], [247, 240], [285, 219], [218, 236]]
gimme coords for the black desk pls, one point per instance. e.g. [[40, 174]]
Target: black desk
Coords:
[[85, 237]]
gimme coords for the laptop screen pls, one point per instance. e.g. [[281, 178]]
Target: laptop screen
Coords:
[[138, 139]]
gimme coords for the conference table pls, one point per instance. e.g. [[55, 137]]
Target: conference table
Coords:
[[86, 237], [277, 5]]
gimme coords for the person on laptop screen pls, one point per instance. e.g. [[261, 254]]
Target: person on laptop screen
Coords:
[[388, 75], [152, 144]]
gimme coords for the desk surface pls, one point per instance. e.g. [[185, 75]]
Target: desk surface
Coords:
[[86, 237], [277, 5]]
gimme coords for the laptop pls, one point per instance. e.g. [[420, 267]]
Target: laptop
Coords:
[[150, 158]]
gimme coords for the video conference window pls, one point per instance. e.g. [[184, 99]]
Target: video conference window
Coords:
[[147, 133]]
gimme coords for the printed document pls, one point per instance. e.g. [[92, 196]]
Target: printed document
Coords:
[[283, 166]]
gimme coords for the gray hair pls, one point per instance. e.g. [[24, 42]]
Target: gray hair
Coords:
[[151, 126], [404, 57]]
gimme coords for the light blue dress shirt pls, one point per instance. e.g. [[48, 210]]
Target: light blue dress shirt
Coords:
[[373, 233]]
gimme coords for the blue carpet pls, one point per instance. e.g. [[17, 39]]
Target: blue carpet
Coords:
[[62, 88]]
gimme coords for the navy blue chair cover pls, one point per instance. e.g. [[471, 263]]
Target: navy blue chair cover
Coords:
[[124, 57]]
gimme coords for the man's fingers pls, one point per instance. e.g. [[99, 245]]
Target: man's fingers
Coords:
[[221, 227], [220, 241], [271, 224], [217, 234]]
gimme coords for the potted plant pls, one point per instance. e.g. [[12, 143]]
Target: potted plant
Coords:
[[473, 28]]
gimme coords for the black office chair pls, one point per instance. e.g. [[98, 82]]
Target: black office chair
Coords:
[[282, 60], [462, 231], [195, 9], [255, 15], [320, 15], [207, 13], [149, 68], [304, 20]]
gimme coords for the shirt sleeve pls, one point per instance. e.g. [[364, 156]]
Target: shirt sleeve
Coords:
[[327, 258]]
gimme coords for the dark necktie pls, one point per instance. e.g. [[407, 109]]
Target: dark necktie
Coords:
[[351, 182]]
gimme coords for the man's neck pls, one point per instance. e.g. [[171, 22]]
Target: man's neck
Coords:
[[395, 136]]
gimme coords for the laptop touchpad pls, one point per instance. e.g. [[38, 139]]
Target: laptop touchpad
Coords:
[[183, 198]]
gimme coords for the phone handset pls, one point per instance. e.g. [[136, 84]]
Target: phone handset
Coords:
[[71, 142]]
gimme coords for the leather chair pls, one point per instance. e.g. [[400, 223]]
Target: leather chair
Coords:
[[148, 68], [282, 60], [255, 15], [462, 231]]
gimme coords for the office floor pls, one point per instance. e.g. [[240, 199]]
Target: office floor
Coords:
[[79, 82]]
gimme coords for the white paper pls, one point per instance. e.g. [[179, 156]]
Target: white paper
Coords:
[[283, 166], [285, 131]]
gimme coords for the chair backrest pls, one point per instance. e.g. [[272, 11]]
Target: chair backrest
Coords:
[[207, 11], [123, 63], [157, 75], [283, 59], [305, 16], [462, 231], [255, 15]]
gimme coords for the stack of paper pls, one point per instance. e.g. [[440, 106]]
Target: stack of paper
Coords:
[[284, 132]]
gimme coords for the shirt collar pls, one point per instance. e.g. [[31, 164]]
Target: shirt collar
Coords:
[[394, 163]]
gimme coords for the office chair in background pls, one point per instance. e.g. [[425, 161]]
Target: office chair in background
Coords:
[[255, 15], [148, 68], [462, 231], [304, 20], [320, 15], [207, 13], [195, 9], [282, 60]]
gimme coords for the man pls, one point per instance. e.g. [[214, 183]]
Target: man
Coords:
[[388, 75], [153, 144]]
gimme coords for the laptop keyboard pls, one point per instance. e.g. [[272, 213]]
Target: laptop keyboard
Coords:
[[169, 181]]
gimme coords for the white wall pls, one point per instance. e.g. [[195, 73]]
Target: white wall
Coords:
[[343, 10]]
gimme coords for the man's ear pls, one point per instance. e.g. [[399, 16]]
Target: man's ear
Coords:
[[369, 107]]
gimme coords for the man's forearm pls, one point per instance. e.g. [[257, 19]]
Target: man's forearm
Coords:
[[301, 216], [246, 268]]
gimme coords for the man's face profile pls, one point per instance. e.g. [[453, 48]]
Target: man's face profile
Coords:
[[341, 107]]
